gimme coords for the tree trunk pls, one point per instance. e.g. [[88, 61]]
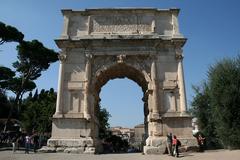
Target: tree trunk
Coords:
[[16, 103]]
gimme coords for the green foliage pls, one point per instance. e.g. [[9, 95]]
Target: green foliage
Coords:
[[201, 104], [201, 108], [103, 117], [4, 105], [15, 85], [33, 58], [38, 110], [118, 144], [224, 79], [9, 34], [6, 74], [217, 104]]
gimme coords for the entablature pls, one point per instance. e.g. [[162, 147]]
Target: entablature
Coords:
[[91, 43], [120, 22]]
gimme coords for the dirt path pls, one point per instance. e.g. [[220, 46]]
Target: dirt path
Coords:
[[209, 155]]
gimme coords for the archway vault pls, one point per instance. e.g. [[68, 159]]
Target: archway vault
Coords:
[[121, 70]]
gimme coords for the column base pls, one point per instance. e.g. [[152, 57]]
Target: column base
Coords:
[[77, 146], [155, 145], [158, 145]]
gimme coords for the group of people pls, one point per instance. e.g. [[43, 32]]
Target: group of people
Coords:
[[172, 145], [28, 141], [18, 140]]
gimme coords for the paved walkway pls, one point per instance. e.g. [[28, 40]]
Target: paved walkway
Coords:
[[209, 155]]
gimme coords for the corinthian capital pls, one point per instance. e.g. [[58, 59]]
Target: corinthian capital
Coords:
[[62, 57], [179, 54], [89, 56]]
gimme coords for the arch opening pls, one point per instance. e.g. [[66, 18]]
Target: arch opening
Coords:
[[120, 71], [122, 98]]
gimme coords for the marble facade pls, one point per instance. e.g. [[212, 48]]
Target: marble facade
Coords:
[[142, 44]]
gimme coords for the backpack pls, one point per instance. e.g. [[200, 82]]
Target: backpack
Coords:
[[179, 143]]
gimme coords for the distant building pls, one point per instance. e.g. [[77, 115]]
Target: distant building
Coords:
[[134, 136], [125, 133], [139, 134]]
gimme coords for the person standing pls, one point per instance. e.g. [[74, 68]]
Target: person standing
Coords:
[[14, 139], [169, 144], [27, 143], [176, 143], [201, 142], [35, 142]]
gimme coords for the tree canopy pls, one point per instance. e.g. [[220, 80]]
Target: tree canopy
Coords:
[[217, 105], [38, 110], [201, 108], [6, 74], [103, 117], [33, 59], [224, 80], [4, 105], [9, 34]]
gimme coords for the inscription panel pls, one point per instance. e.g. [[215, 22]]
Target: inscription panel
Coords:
[[122, 24]]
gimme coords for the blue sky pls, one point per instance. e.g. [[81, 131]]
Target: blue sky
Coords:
[[211, 26]]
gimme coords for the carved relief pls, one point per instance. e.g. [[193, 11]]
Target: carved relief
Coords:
[[101, 62], [121, 58], [143, 63]]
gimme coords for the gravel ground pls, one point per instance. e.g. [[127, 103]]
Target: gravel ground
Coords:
[[209, 155]]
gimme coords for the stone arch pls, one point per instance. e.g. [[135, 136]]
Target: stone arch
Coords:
[[120, 70], [102, 44]]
